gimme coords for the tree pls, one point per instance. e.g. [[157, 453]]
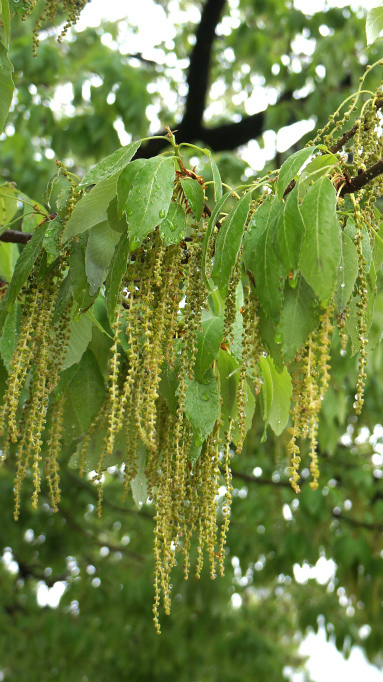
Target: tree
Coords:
[[150, 321]]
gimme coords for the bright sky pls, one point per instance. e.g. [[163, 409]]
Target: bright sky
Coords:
[[325, 663]]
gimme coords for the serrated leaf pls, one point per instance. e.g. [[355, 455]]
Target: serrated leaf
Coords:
[[299, 317], [23, 268], [290, 230], [208, 345], [116, 223], [139, 483], [6, 17], [87, 390], [125, 183], [347, 273], [115, 274], [6, 85], [216, 179], [80, 337], [319, 166], [9, 254], [149, 199], [202, 406], [277, 390], [112, 164], [8, 205], [228, 243], [229, 371], [321, 245], [209, 231], [195, 195], [261, 259], [291, 167], [350, 230], [91, 209], [174, 227], [99, 251], [51, 241], [374, 24]]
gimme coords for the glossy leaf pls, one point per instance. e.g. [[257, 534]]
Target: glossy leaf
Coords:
[[289, 232], [99, 251], [261, 259], [291, 167], [202, 406], [277, 390], [51, 243], [113, 163], [139, 483], [174, 227], [209, 231], [299, 317], [229, 370], [6, 85], [115, 274], [228, 243], [87, 390], [195, 195], [321, 245], [8, 205], [208, 345], [347, 274], [216, 179], [125, 183], [9, 338], [91, 209], [23, 268], [149, 199], [80, 336], [374, 24]]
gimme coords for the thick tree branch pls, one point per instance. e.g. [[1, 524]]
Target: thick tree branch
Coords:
[[15, 237], [200, 62], [363, 178]]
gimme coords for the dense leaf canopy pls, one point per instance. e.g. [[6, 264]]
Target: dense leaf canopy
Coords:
[[152, 317]]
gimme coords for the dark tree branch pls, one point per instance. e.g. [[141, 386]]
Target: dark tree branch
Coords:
[[15, 237], [200, 62], [362, 179]]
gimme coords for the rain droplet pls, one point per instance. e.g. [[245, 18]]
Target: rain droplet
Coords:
[[205, 396], [198, 441], [278, 338], [162, 213], [172, 227]]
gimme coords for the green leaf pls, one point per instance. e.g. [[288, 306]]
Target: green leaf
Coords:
[[277, 395], [174, 227], [209, 231], [228, 243], [6, 18], [8, 205], [51, 241], [9, 338], [116, 223], [80, 336], [261, 259], [202, 406], [216, 179], [195, 195], [291, 167], [115, 274], [91, 209], [23, 268], [6, 85], [318, 167], [321, 245], [299, 317], [350, 230], [168, 387], [125, 183], [99, 251], [111, 165], [377, 251], [208, 345], [139, 483], [64, 297], [9, 254], [87, 390], [289, 232], [229, 371], [347, 274], [149, 199], [78, 276], [374, 24]]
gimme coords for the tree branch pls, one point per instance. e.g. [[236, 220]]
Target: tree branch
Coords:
[[15, 237], [363, 178]]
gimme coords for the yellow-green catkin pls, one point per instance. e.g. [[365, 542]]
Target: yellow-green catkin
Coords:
[[251, 344], [362, 304], [226, 506], [52, 468]]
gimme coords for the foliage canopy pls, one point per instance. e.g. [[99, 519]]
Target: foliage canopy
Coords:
[[154, 315]]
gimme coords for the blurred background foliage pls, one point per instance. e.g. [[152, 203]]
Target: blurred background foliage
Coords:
[[271, 66]]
